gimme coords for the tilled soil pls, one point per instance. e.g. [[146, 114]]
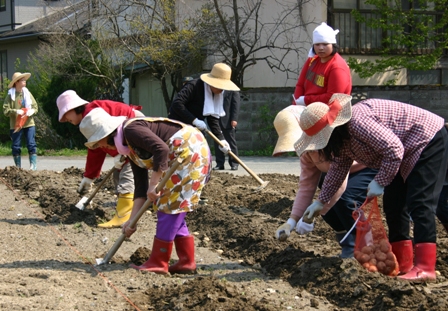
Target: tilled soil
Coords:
[[49, 250]]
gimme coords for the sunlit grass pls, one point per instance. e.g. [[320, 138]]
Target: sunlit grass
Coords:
[[5, 150]]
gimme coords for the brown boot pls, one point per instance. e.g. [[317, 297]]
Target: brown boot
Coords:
[[404, 252], [185, 252], [160, 256], [424, 269]]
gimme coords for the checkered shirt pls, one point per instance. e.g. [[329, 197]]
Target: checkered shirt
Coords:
[[386, 135]]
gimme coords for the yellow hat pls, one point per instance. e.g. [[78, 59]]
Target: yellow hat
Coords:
[[286, 124], [219, 78], [17, 76]]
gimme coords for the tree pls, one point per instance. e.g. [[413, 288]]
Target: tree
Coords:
[[174, 43], [244, 36], [414, 35]]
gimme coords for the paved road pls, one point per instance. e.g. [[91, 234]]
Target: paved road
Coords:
[[258, 165]]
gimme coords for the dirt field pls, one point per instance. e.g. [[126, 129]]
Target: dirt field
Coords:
[[49, 247]]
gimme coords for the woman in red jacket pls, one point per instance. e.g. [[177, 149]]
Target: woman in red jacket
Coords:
[[325, 72], [73, 109]]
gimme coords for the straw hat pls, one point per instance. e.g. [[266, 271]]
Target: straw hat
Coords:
[[67, 101], [17, 76], [286, 124], [219, 78], [98, 124], [318, 120]]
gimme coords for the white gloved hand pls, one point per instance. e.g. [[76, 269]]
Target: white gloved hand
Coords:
[[118, 163], [199, 124], [303, 227], [30, 112], [284, 230], [300, 101], [20, 112], [313, 210], [374, 189], [225, 148], [85, 185]]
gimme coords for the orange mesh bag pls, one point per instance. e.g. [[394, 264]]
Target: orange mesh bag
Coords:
[[20, 121], [372, 248]]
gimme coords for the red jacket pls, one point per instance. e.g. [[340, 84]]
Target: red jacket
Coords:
[[319, 81], [96, 157]]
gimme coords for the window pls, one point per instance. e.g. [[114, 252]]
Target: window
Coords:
[[2, 5], [358, 38], [3, 69]]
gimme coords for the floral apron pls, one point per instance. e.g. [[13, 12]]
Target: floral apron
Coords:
[[182, 191]]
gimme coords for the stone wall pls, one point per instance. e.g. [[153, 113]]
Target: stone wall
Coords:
[[259, 107]]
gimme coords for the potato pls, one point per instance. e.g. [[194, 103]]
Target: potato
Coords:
[[384, 246], [380, 256], [357, 255], [372, 268], [373, 261], [390, 264], [367, 250], [364, 258], [390, 256], [381, 266]]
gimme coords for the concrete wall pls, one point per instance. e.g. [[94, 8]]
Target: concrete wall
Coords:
[[259, 107]]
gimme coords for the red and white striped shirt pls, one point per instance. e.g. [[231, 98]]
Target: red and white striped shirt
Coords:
[[386, 135]]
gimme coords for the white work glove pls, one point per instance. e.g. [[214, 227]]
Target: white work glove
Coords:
[[374, 189], [199, 124], [225, 148], [118, 163], [20, 112], [30, 112], [303, 227], [300, 101], [85, 185], [313, 210], [284, 230]]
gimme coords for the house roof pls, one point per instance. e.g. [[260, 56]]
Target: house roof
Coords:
[[69, 19]]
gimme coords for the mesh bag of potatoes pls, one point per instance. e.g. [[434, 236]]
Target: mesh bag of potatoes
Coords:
[[372, 248]]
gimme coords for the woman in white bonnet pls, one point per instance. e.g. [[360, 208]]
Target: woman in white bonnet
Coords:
[[325, 72]]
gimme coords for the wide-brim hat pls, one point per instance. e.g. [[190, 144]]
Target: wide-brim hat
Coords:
[[286, 124], [219, 78], [17, 76], [318, 120], [98, 124], [67, 101]]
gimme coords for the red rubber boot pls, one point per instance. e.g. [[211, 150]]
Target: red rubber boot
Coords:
[[160, 256], [404, 253], [424, 269], [185, 252]]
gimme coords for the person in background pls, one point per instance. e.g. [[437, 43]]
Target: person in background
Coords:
[[325, 72], [20, 103], [337, 213], [155, 144], [73, 109], [409, 148], [202, 100], [228, 124]]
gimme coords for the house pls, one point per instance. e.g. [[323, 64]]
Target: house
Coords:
[[25, 25]]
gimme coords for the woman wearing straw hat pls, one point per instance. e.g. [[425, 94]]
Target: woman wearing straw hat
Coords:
[[20, 103], [73, 109], [202, 99], [152, 144], [337, 213], [325, 72], [409, 147]]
